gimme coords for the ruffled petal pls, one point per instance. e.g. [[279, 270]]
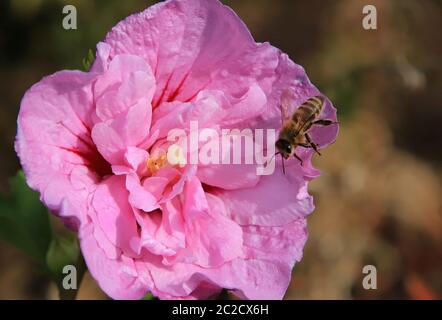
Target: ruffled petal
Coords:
[[112, 137], [190, 45], [114, 213], [276, 200], [139, 196], [123, 96], [162, 232], [264, 274], [127, 80], [54, 144], [117, 277], [207, 243]]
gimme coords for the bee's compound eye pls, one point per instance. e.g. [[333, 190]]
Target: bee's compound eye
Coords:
[[284, 146], [288, 148]]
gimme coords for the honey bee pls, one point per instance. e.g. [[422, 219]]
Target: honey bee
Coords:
[[294, 131]]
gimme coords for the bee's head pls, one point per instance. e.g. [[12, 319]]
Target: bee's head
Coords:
[[284, 147]]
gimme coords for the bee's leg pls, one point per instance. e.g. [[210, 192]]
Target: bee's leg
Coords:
[[324, 122], [312, 144], [297, 157]]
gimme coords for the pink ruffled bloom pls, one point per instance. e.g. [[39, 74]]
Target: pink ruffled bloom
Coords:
[[84, 139]]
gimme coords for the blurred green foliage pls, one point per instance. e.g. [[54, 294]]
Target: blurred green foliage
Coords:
[[64, 250], [344, 93], [24, 221]]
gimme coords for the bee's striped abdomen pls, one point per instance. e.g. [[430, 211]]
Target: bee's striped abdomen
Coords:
[[309, 110]]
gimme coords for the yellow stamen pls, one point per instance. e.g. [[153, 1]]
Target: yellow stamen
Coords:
[[156, 163]]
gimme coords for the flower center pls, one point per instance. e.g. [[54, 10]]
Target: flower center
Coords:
[[156, 163]]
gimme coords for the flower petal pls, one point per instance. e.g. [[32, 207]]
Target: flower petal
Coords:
[[162, 232], [112, 137], [207, 243], [235, 167], [117, 277], [265, 274], [187, 43], [114, 213], [139, 196], [276, 200], [127, 80], [54, 144]]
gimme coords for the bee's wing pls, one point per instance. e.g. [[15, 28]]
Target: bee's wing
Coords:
[[286, 103]]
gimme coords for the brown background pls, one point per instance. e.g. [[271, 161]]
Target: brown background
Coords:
[[379, 196]]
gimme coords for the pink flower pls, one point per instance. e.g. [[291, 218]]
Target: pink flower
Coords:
[[87, 142]]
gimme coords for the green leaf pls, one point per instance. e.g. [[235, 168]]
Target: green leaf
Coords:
[[24, 221], [87, 62], [148, 296], [63, 251]]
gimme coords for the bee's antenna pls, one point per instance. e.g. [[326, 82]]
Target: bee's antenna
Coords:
[[274, 156], [282, 158]]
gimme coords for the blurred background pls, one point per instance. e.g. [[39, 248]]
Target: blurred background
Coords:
[[379, 199]]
